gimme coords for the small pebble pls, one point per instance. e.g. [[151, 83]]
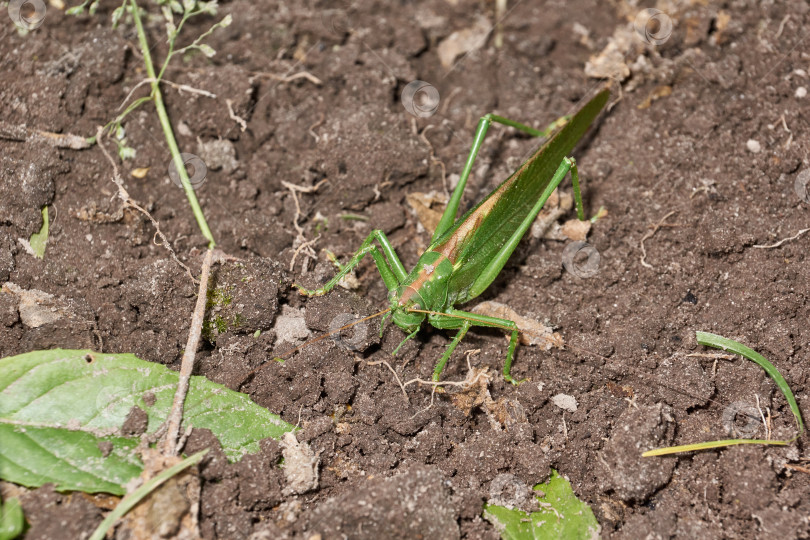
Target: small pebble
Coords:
[[565, 402], [801, 92], [753, 146]]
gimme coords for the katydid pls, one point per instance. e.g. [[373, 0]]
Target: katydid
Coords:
[[466, 255]]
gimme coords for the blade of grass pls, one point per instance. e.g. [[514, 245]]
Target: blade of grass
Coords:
[[130, 501], [720, 342]]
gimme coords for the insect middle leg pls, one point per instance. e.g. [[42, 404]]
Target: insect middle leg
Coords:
[[464, 320], [390, 267]]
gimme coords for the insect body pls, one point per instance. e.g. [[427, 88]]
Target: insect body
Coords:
[[466, 255]]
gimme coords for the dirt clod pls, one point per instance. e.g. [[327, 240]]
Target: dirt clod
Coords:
[[300, 465], [628, 475]]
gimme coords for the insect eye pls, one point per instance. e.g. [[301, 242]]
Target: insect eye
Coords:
[[416, 306]]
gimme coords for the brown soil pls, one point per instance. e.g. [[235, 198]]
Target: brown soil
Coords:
[[397, 468]]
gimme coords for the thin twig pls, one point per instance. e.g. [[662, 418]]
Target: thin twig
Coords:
[[565, 426], [317, 124], [289, 78], [649, 235], [190, 89], [799, 468], [781, 26], [762, 416], [187, 365], [784, 240], [434, 159], [236, 118], [303, 246], [302, 240], [399, 381], [711, 355], [128, 201], [469, 381], [784, 125], [22, 133], [179, 87]]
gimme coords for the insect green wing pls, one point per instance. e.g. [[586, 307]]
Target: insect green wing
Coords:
[[495, 219]]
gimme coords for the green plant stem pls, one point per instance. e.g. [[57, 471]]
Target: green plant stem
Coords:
[[168, 132]]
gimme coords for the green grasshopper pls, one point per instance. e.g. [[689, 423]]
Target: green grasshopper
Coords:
[[466, 255]]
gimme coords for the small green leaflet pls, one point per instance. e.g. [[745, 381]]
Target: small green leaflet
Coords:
[[12, 522], [61, 412], [39, 240], [560, 515]]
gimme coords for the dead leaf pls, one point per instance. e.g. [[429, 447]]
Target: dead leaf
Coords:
[[610, 62], [532, 332], [475, 394], [545, 225], [657, 93], [505, 413], [575, 229], [463, 42], [37, 308], [721, 24], [422, 204], [140, 172]]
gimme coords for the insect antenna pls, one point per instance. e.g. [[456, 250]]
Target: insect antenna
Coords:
[[310, 342]]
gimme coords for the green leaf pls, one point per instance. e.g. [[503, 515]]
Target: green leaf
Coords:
[[560, 515], [61, 412], [11, 519], [116, 16], [207, 50], [72, 460], [39, 240]]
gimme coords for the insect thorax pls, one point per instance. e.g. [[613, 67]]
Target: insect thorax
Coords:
[[426, 285]]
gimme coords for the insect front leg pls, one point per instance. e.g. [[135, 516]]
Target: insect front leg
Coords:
[[390, 267], [464, 320]]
